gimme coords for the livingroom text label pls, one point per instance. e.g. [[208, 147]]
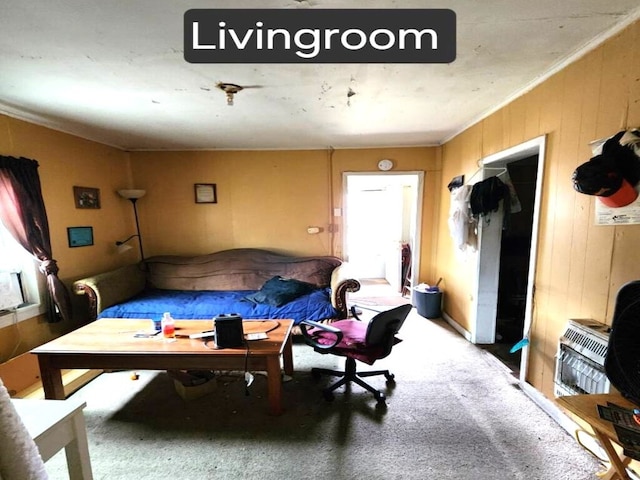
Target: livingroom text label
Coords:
[[320, 36]]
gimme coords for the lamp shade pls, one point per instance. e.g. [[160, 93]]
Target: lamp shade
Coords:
[[123, 248], [131, 193]]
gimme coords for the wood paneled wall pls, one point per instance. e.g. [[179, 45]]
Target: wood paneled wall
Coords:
[[580, 265]]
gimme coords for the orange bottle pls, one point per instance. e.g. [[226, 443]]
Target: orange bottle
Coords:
[[168, 327]]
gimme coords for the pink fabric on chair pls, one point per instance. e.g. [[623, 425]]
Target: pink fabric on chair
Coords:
[[353, 341]]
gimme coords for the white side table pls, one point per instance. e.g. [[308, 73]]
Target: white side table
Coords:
[[57, 424]]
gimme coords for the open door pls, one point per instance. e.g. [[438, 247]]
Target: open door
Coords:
[[490, 243], [381, 216]]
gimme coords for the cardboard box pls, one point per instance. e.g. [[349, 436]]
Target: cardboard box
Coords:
[[191, 392]]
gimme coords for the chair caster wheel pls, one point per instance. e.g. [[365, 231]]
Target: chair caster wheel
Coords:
[[380, 398], [328, 396]]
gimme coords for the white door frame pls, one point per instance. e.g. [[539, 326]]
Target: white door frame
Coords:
[[415, 254], [486, 296]]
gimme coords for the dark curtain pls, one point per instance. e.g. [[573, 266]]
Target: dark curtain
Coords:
[[22, 212]]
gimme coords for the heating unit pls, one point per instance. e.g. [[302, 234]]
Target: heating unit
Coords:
[[582, 349]]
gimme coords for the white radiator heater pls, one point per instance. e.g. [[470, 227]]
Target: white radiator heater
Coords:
[[582, 349]]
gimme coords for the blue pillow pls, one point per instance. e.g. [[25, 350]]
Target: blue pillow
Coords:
[[279, 291]]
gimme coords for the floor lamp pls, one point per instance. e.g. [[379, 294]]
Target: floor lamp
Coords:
[[133, 195]]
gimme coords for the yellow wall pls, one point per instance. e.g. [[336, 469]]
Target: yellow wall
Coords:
[[580, 265], [266, 199], [66, 161]]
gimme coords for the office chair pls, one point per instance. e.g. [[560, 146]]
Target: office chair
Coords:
[[356, 340]]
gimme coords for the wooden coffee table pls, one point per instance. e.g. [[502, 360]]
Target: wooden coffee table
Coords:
[[110, 343]]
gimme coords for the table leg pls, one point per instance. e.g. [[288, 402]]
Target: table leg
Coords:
[[287, 356], [274, 384], [51, 379], [77, 451], [617, 470]]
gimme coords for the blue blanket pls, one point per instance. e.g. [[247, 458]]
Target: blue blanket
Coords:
[[208, 304]]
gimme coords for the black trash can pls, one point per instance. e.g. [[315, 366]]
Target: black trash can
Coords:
[[428, 304]]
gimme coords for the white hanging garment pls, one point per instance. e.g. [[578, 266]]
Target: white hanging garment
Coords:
[[461, 222]]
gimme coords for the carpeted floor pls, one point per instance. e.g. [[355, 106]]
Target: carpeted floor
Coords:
[[374, 302], [376, 294], [454, 414]]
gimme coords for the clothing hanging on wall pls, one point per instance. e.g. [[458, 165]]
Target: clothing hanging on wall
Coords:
[[486, 196], [514, 202], [456, 182], [470, 202], [462, 225]]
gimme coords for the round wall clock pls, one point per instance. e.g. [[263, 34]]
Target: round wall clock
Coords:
[[385, 165]]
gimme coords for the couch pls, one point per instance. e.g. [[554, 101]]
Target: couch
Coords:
[[231, 281]]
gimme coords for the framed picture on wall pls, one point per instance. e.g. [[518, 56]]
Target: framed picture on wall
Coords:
[[80, 236], [206, 193], [86, 197]]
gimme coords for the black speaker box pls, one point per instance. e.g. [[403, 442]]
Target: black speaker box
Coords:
[[228, 331]]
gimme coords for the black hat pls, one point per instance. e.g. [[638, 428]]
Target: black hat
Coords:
[[623, 157], [598, 176]]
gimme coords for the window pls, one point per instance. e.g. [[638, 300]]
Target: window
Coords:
[[19, 266]]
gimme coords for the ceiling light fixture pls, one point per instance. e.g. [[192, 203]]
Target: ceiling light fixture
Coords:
[[230, 89]]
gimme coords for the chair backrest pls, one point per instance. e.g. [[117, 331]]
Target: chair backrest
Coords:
[[621, 363], [384, 326]]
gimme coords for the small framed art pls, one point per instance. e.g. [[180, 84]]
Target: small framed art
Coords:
[[80, 236], [86, 197], [206, 193]]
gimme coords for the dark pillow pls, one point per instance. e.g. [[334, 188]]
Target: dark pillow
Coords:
[[278, 291]]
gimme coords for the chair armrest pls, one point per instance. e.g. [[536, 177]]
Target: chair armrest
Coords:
[[341, 283], [311, 340], [110, 288]]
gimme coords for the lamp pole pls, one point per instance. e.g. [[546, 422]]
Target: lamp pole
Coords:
[[133, 195], [135, 213]]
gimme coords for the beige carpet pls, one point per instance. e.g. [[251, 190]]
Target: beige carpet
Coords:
[[376, 292], [452, 414], [378, 301]]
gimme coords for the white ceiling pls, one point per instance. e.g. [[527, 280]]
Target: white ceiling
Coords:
[[113, 71]]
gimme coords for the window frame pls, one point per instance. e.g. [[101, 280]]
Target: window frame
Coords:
[[32, 283]]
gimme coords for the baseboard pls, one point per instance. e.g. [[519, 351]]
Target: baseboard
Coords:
[[549, 407], [72, 380], [456, 326], [21, 377]]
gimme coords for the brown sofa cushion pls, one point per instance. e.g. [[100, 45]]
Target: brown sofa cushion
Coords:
[[236, 269]]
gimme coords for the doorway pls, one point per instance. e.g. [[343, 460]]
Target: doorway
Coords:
[[382, 229], [515, 253], [507, 257]]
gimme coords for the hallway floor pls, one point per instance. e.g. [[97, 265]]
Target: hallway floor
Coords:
[[376, 294]]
